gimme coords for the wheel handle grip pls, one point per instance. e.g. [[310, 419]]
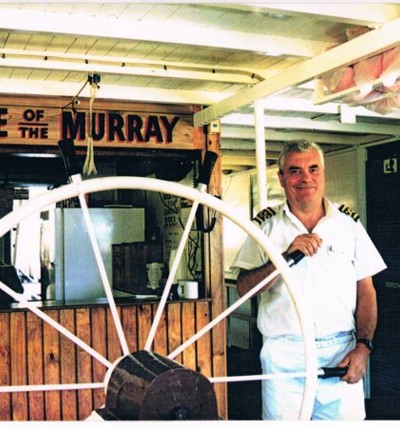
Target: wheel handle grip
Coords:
[[294, 257], [206, 169], [71, 164], [330, 372]]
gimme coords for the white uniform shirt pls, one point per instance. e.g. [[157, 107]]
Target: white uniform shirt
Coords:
[[327, 281]]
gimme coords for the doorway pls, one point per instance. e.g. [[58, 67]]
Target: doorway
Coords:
[[383, 212]]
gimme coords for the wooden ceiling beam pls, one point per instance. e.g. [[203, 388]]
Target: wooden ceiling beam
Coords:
[[154, 31], [361, 47], [289, 123], [354, 13]]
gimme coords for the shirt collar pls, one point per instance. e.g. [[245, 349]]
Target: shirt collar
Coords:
[[329, 209]]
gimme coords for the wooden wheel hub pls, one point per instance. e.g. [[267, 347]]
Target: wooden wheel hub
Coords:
[[148, 386]]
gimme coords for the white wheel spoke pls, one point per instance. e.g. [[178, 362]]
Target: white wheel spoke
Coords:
[[167, 288], [223, 315], [103, 274], [243, 378], [51, 387]]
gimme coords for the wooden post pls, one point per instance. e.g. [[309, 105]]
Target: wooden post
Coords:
[[215, 275]]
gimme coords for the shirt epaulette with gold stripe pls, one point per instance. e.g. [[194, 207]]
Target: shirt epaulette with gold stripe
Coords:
[[264, 214], [347, 211]]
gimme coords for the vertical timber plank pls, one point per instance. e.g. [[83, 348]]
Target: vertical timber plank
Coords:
[[204, 351], [35, 365], [99, 340], [144, 324], [174, 328], [113, 343], [18, 365], [84, 364], [52, 370], [5, 366], [68, 366], [160, 339], [188, 330], [129, 324]]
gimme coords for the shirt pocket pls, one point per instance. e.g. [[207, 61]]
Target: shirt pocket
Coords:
[[342, 249]]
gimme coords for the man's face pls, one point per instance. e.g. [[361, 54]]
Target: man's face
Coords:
[[303, 178]]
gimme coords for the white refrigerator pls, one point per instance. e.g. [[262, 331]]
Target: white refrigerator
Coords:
[[77, 276]]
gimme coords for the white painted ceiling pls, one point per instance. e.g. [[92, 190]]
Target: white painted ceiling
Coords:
[[222, 56]]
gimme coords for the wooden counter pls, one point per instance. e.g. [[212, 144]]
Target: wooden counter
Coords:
[[33, 352]]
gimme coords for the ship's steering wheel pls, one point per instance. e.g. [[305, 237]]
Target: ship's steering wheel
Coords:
[[79, 188]]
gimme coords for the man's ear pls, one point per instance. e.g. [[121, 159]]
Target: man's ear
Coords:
[[280, 176]]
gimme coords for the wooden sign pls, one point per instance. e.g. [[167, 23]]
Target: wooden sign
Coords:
[[110, 124]]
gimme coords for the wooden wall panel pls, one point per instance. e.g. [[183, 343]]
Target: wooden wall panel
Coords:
[[31, 351], [174, 328], [34, 327], [84, 362], [68, 366], [52, 374], [5, 366], [129, 324], [144, 321], [114, 349], [204, 364], [18, 365], [160, 344], [188, 330], [99, 344]]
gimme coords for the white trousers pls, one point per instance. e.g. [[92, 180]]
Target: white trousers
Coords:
[[335, 399]]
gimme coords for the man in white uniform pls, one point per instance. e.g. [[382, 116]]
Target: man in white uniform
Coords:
[[335, 281]]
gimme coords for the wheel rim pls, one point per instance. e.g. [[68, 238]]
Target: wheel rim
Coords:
[[198, 197]]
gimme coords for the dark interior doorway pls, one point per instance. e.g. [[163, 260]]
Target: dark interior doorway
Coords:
[[383, 217]]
